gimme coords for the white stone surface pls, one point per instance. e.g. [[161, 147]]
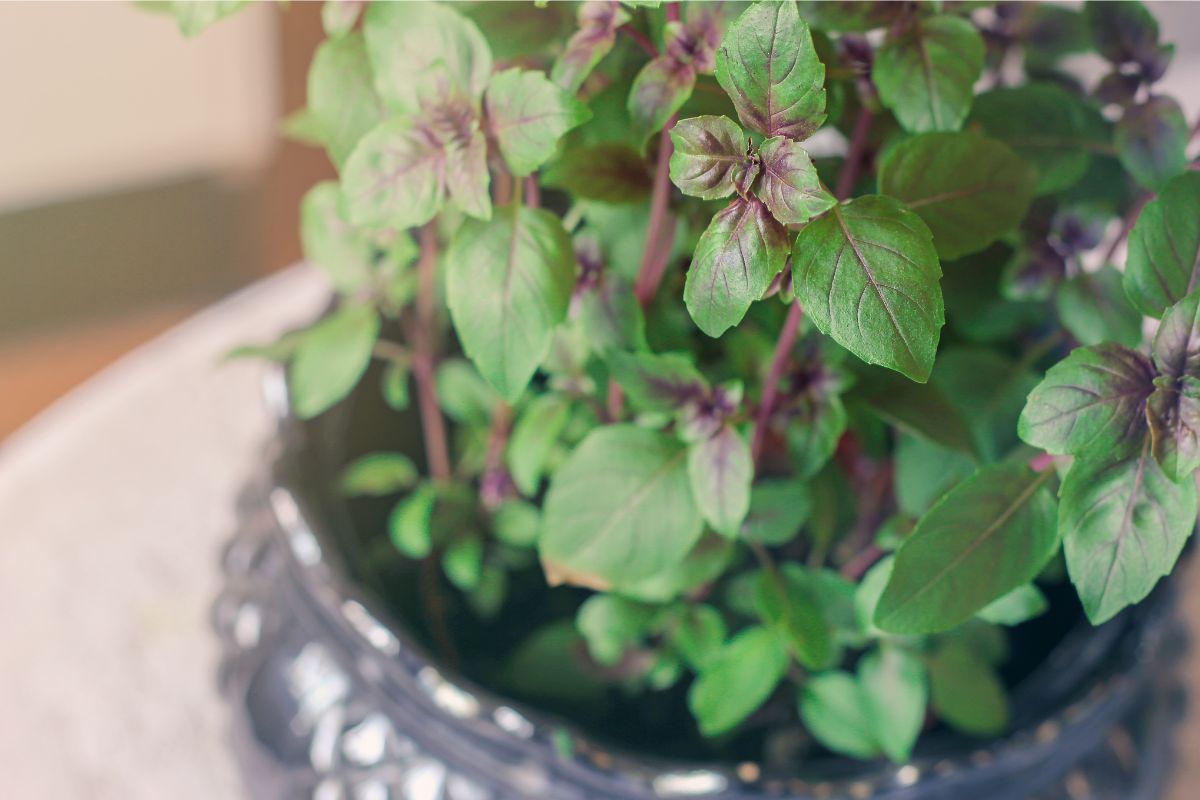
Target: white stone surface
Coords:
[[114, 505]]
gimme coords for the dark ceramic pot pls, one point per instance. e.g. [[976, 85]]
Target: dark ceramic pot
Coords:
[[334, 700]]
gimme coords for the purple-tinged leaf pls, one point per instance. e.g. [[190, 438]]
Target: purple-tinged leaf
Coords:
[[659, 90], [694, 41], [1151, 141], [527, 114], [657, 382], [1123, 524], [467, 178], [739, 254], [1173, 411], [1090, 404], [710, 159], [1123, 31], [394, 178], [769, 67], [598, 23], [721, 470], [789, 184], [1163, 265]]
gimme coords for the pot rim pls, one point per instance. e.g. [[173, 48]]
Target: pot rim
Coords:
[[1076, 718]]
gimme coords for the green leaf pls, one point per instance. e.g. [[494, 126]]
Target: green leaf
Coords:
[[1047, 126], [610, 172], [517, 523], [706, 562], [976, 307], [966, 693], [1021, 604], [896, 690], [870, 589], [339, 16], [709, 160], [1124, 523], [920, 409], [990, 534], [789, 185], [1173, 411], [778, 508], [659, 90], [768, 66], [1091, 403], [348, 255], [534, 436], [379, 474], [331, 358], [462, 562], [1094, 309], [657, 382], [410, 525], [620, 508], [194, 17], [721, 471], [989, 390], [463, 395], [817, 421], [836, 710], [867, 275], [490, 592], [508, 283], [611, 624], [738, 679], [925, 471], [405, 39], [551, 664], [395, 386], [794, 611], [926, 75], [610, 316], [341, 96], [700, 635], [1163, 265], [598, 23], [527, 114], [1151, 141], [737, 257], [969, 190], [393, 179]]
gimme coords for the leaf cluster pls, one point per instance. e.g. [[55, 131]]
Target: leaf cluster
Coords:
[[797, 453]]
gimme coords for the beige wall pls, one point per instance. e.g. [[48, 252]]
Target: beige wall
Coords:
[[97, 96]]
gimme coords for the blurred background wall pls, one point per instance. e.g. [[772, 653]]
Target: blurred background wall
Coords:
[[141, 177]]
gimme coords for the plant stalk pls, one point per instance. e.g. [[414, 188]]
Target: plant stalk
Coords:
[[433, 426], [660, 233], [852, 166], [779, 360]]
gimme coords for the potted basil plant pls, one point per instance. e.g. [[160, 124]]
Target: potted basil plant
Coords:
[[732, 400]]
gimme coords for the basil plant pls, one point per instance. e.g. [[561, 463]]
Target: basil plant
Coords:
[[798, 350]]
